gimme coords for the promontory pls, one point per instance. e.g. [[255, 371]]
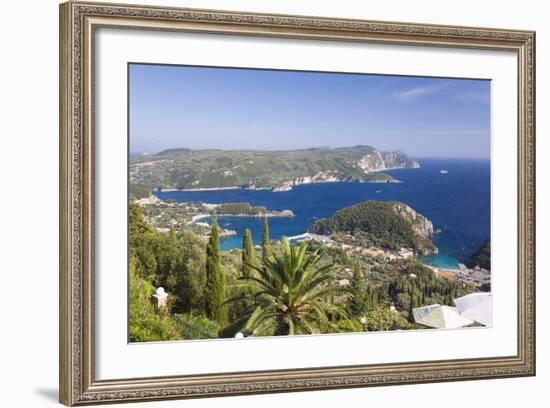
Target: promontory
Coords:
[[187, 169], [387, 224]]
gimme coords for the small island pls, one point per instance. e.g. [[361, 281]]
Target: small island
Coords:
[[246, 210]]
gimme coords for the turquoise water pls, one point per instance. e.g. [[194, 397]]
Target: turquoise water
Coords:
[[458, 203]]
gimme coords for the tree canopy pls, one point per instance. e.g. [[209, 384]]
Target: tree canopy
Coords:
[[291, 294], [376, 223]]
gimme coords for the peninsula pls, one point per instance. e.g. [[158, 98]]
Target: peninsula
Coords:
[[203, 170], [389, 225]]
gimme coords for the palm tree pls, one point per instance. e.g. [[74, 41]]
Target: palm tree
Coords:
[[290, 294]]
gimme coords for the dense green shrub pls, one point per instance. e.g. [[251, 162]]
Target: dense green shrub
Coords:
[[194, 326], [145, 323], [380, 319]]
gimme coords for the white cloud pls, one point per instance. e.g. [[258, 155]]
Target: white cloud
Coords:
[[467, 97], [415, 93]]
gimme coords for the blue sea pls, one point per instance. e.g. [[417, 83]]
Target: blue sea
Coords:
[[458, 203]]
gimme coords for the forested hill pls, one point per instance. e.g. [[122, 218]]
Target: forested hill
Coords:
[[481, 257], [186, 168], [390, 225]]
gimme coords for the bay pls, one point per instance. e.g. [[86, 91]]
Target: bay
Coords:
[[457, 202]]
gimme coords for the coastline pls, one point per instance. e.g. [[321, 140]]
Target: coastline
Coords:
[[475, 276], [308, 208], [396, 168], [199, 189], [281, 214], [287, 185], [172, 190]]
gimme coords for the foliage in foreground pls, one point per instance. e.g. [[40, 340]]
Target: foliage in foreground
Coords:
[[290, 295], [383, 319], [196, 327], [278, 289], [145, 323]]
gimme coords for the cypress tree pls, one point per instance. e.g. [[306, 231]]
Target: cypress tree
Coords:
[[248, 253], [169, 262], [415, 302], [266, 244], [215, 288], [358, 302]]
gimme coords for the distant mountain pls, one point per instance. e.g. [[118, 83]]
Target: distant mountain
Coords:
[[387, 224], [186, 168]]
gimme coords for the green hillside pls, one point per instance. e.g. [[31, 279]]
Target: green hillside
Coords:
[[481, 257], [185, 168], [391, 225]]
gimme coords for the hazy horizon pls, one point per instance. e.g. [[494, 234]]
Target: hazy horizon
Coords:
[[152, 153], [202, 108]]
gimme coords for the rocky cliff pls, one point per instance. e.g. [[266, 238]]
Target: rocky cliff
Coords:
[[420, 224], [378, 161]]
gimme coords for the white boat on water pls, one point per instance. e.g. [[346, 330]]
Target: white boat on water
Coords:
[[443, 171]]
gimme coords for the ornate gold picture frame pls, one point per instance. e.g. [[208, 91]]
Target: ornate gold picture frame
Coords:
[[78, 24]]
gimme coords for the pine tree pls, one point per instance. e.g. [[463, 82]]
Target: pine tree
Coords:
[[215, 288], [248, 253], [266, 244]]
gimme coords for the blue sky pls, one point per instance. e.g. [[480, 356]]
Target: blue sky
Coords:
[[202, 108]]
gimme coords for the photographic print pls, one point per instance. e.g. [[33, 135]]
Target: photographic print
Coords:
[[276, 203], [287, 194]]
